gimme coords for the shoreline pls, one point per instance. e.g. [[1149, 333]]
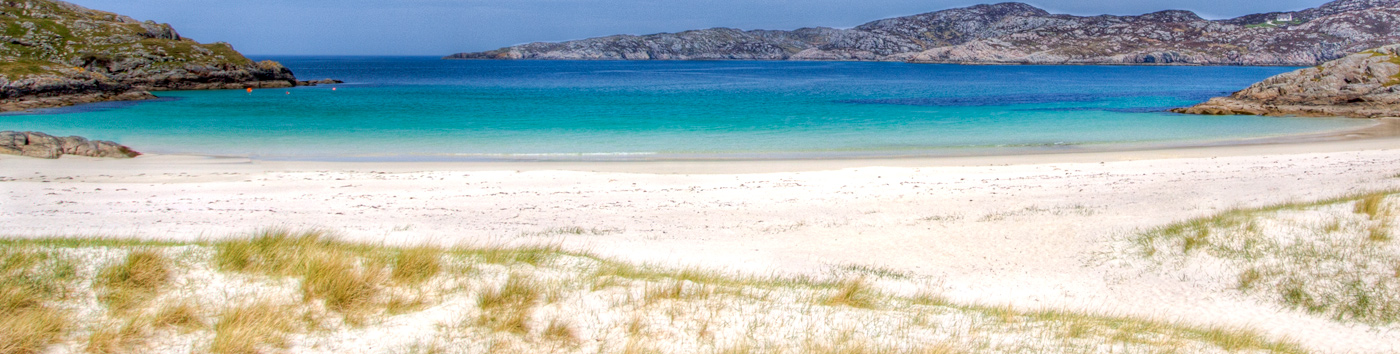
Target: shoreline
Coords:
[[901, 61], [1383, 134]]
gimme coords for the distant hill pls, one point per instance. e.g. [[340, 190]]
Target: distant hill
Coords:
[[1016, 33], [54, 53]]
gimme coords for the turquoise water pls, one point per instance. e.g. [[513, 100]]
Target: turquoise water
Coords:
[[430, 109]]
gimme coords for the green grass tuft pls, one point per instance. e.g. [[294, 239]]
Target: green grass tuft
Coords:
[[1341, 270], [509, 307], [248, 329], [854, 293], [134, 282], [415, 265]]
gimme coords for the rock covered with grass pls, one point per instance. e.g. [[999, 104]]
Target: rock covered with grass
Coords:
[[1363, 85], [40, 145], [56, 53]]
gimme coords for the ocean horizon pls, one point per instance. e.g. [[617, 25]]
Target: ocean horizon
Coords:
[[428, 109]]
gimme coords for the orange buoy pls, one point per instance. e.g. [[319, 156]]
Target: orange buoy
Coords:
[[250, 90], [332, 89]]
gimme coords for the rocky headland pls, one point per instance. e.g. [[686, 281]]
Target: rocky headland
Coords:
[[1362, 85], [53, 53], [40, 145], [1016, 33]]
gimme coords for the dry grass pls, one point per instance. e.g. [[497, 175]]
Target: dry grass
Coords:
[[248, 329], [540, 299], [854, 293], [278, 252], [341, 283], [29, 280], [533, 255], [134, 282], [28, 325], [675, 290], [183, 315], [509, 307], [1372, 206], [928, 297], [417, 264], [561, 331], [123, 338], [1332, 257], [332, 272]]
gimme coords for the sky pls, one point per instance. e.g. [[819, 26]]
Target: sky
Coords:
[[442, 27]]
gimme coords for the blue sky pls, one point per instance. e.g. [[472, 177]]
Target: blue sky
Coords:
[[441, 27]]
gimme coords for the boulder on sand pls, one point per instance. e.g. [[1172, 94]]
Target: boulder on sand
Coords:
[[44, 146]]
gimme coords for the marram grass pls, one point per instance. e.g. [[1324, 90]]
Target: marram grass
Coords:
[[274, 290], [1333, 257]]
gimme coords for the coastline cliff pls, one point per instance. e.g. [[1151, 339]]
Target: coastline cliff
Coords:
[[1361, 85], [53, 53], [1016, 33]]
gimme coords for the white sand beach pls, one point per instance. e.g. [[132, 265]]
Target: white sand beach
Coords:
[[1031, 231]]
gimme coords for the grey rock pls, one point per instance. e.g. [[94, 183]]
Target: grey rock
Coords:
[[1363, 85], [319, 82], [40, 145]]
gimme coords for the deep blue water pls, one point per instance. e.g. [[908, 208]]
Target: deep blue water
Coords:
[[394, 108]]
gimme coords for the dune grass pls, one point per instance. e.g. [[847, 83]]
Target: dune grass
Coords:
[[1332, 257], [335, 273], [417, 264], [181, 315], [509, 307], [854, 293], [282, 289], [133, 282], [119, 337], [30, 279], [249, 328]]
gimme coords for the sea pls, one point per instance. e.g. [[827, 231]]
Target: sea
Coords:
[[429, 109]]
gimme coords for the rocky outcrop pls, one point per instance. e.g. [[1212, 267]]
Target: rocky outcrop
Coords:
[[1363, 85], [319, 82], [1015, 33], [54, 53], [40, 145]]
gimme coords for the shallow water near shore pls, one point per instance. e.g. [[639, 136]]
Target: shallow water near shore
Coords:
[[419, 108]]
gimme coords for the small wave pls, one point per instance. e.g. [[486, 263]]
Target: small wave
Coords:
[[1106, 109], [88, 107], [549, 154], [1007, 100]]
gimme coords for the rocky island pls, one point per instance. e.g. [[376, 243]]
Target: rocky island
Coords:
[[1016, 33], [53, 53], [1361, 85]]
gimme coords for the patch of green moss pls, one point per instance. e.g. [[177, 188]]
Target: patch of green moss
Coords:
[[15, 30], [54, 27]]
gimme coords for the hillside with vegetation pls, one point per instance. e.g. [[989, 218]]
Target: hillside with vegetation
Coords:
[[1016, 33], [54, 53]]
